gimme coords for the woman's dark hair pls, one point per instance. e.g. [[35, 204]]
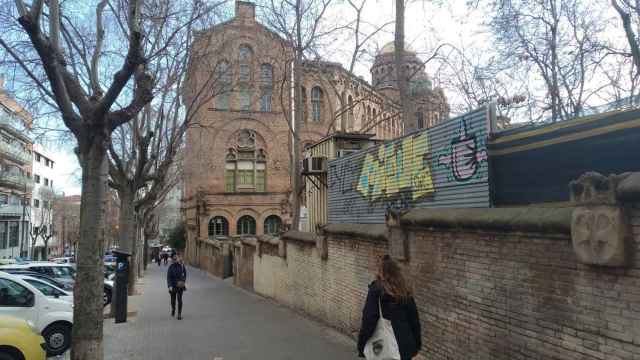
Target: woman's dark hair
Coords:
[[392, 280]]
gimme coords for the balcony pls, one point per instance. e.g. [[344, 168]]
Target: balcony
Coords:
[[14, 152], [17, 181], [12, 210]]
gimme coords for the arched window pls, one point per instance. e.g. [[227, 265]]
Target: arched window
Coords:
[[245, 55], [316, 103], [266, 87], [266, 75], [223, 80], [223, 72], [304, 104], [350, 120], [245, 168], [218, 226], [272, 225], [245, 98], [343, 114], [420, 120], [246, 225]]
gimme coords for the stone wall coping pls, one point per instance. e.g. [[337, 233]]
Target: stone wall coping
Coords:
[[367, 231], [251, 241], [215, 243], [629, 189], [269, 239], [521, 219], [301, 236]]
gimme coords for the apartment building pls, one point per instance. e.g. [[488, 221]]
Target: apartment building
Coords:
[[43, 234], [16, 184]]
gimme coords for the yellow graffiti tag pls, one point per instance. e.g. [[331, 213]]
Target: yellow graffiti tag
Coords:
[[395, 169]]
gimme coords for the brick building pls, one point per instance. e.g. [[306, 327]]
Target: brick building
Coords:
[[238, 153]]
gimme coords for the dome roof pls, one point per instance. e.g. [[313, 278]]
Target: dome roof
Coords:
[[390, 48], [420, 85]]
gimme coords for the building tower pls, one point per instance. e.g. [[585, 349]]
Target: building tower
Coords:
[[428, 105]]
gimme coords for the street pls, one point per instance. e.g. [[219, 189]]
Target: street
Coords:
[[220, 322]]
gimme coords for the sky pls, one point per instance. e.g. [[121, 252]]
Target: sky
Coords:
[[420, 35], [427, 24]]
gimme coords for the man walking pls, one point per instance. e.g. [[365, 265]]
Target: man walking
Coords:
[[176, 281]]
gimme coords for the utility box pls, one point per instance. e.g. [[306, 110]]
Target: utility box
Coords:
[[122, 284]]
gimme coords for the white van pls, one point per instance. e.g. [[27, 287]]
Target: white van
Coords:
[[53, 317]]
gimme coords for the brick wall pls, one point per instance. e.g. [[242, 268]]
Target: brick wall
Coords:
[[482, 293], [243, 264], [332, 291], [211, 257]]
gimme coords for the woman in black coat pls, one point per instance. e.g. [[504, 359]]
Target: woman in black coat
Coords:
[[398, 306], [176, 278]]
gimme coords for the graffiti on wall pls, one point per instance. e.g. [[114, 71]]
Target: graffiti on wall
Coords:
[[443, 166], [464, 156], [397, 167]]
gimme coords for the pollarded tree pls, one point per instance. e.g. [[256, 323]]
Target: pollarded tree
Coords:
[[97, 78], [142, 152]]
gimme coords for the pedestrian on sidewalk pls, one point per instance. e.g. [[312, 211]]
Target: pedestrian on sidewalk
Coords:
[[397, 305], [176, 281]]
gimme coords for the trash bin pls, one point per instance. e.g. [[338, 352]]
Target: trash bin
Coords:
[[122, 284]]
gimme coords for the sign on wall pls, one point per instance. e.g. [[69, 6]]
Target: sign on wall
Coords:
[[443, 166]]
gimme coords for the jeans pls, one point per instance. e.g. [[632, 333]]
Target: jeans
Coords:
[[176, 293]]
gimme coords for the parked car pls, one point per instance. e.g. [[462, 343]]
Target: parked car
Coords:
[[63, 260], [67, 287], [53, 317], [19, 340], [64, 273], [47, 289]]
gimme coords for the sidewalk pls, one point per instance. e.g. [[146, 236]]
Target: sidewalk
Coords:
[[221, 322]]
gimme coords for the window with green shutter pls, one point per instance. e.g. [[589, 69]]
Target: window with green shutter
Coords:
[[260, 181], [245, 168], [229, 180]]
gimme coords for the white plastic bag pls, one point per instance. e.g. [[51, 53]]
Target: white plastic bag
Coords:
[[382, 345]]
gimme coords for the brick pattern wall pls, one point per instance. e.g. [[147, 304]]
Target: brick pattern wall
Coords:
[[211, 258], [332, 291], [481, 295], [522, 296], [243, 266]]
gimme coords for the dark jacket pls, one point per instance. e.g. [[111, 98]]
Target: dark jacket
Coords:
[[403, 316], [177, 272]]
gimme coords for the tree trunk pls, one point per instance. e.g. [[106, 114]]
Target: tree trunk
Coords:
[[409, 126], [127, 225], [145, 251], [87, 312], [297, 122]]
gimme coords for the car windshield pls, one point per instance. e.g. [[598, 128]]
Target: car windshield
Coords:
[[49, 281], [63, 271], [45, 289]]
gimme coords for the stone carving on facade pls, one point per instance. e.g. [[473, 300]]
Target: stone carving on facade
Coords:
[[600, 228], [247, 139]]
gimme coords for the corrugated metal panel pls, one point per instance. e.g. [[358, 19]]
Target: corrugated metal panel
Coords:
[[443, 166], [317, 197]]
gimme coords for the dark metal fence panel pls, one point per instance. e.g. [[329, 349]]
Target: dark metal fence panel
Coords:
[[443, 166]]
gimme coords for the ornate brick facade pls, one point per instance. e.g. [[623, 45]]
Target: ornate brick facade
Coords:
[[237, 153]]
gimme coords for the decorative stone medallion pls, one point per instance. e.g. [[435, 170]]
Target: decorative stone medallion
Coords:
[[599, 226]]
